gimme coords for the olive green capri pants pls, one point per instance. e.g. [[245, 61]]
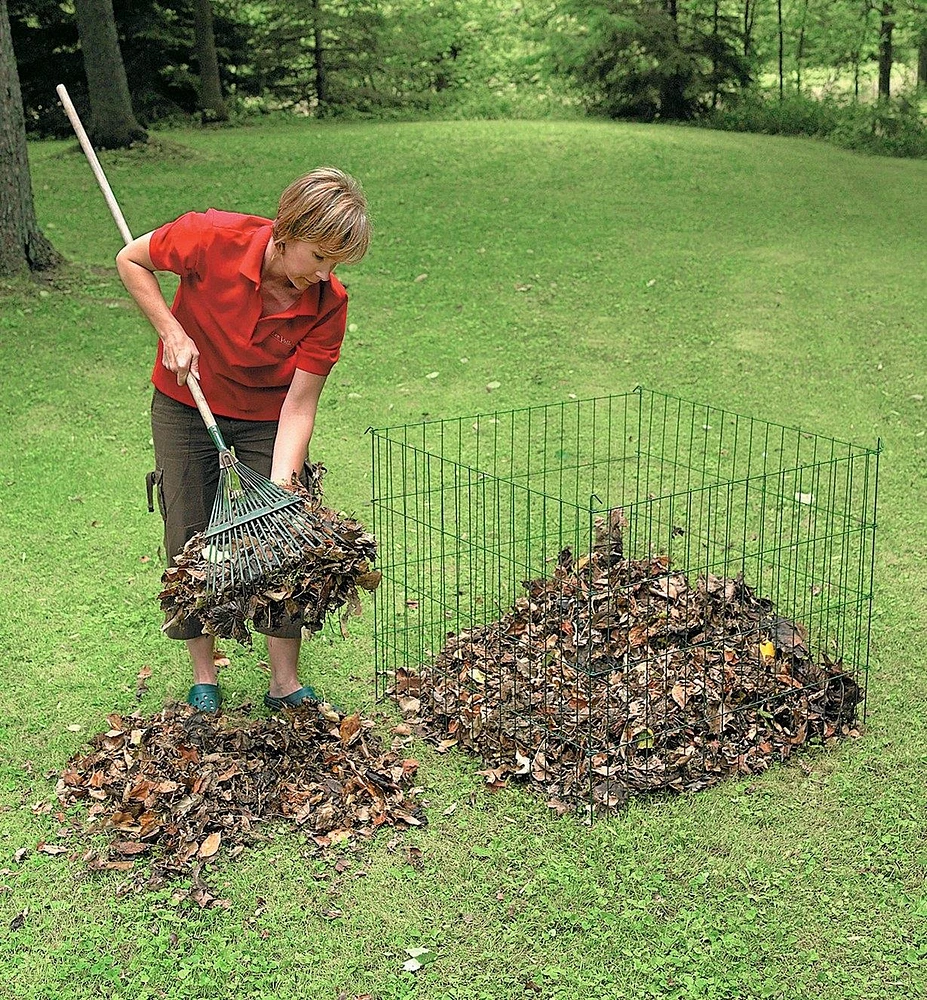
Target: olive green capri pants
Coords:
[[186, 478]]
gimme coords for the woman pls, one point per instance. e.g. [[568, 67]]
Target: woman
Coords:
[[259, 318]]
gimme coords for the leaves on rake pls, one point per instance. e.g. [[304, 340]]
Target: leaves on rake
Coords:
[[188, 787], [618, 676], [301, 563]]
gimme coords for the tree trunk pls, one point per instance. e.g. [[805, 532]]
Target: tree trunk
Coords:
[[205, 39], [922, 63], [781, 51], [210, 86], [318, 51], [672, 87], [22, 245], [749, 22], [714, 56], [800, 50], [886, 27], [112, 121]]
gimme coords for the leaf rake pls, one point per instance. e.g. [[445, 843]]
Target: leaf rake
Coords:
[[257, 528]]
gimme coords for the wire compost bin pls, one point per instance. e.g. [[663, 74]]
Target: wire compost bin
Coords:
[[623, 594]]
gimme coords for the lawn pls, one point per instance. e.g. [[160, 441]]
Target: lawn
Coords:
[[780, 278]]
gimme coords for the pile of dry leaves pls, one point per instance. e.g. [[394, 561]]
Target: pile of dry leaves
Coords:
[[319, 576], [618, 676], [180, 786]]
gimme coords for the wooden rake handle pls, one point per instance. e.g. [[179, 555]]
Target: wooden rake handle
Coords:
[[91, 155], [192, 383]]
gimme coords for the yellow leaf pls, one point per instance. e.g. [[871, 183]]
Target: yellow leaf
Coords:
[[645, 739], [767, 649]]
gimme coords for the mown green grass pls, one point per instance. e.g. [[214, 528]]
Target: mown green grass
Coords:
[[779, 278]]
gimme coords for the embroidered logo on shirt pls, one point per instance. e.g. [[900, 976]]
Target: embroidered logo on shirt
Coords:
[[283, 340]]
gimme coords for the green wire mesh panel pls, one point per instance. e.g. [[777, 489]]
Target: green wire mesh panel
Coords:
[[624, 593]]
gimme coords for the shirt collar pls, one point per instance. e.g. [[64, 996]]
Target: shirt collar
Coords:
[[252, 261], [253, 257]]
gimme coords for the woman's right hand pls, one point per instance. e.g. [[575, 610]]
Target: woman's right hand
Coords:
[[180, 354]]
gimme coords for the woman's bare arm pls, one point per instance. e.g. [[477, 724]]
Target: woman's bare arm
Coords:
[[297, 421], [137, 272]]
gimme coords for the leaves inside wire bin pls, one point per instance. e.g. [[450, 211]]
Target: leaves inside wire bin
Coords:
[[322, 578], [617, 676]]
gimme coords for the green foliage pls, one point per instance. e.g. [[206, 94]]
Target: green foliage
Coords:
[[156, 41], [326, 58], [385, 59], [646, 59], [887, 128]]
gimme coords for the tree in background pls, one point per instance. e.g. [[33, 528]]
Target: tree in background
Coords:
[[911, 24], [749, 22], [649, 58], [210, 86], [47, 53], [316, 57], [112, 121], [158, 44], [372, 57], [886, 11], [22, 245]]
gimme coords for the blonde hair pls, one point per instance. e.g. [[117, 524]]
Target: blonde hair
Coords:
[[328, 208]]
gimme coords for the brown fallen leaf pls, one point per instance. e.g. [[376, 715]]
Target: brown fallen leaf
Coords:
[[141, 686], [349, 728], [52, 849], [369, 581], [210, 845], [679, 694], [308, 576], [187, 775], [129, 847]]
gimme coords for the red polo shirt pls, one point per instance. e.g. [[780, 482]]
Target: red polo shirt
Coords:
[[246, 361]]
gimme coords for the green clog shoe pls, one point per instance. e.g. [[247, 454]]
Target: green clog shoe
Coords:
[[296, 699], [205, 697]]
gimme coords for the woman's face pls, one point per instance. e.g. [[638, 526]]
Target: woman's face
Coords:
[[304, 264]]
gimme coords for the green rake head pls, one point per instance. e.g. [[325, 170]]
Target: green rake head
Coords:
[[257, 528]]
